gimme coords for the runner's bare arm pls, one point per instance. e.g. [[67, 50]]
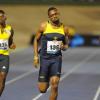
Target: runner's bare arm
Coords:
[[66, 41], [36, 43], [11, 42], [37, 38], [66, 35]]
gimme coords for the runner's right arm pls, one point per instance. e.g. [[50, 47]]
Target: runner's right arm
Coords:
[[36, 42]]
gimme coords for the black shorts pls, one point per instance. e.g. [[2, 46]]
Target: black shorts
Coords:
[[49, 67], [4, 63]]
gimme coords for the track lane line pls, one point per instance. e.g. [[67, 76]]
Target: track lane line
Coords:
[[97, 94], [20, 77]]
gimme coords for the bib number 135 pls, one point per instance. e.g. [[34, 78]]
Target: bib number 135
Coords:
[[53, 46]]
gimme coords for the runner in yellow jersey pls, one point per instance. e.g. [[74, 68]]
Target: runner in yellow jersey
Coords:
[[53, 36], [6, 42]]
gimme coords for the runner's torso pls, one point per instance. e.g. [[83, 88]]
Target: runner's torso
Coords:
[[4, 38], [51, 40]]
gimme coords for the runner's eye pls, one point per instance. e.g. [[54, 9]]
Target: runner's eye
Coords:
[[0, 17], [51, 15]]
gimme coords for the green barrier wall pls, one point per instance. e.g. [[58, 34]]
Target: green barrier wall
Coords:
[[48, 2]]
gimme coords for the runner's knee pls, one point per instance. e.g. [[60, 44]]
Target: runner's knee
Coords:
[[43, 87], [54, 82]]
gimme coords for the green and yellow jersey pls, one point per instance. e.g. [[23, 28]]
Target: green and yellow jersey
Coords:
[[4, 39]]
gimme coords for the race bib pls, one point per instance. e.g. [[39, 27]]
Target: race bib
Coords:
[[53, 46], [3, 44]]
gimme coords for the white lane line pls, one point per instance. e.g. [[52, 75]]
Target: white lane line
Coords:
[[70, 72], [20, 77], [97, 94]]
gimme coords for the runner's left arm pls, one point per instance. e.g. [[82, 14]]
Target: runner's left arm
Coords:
[[66, 40], [11, 42]]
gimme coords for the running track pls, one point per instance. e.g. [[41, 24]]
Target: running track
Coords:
[[80, 76]]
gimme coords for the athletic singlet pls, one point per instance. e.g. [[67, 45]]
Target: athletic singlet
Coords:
[[51, 40], [4, 38]]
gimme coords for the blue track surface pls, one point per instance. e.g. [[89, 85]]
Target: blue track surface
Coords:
[[80, 76]]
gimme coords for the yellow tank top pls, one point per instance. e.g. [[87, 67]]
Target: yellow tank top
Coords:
[[4, 38], [50, 29]]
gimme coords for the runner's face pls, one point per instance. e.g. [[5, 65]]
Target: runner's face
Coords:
[[54, 15], [2, 18]]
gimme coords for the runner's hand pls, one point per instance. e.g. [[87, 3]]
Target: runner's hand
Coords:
[[64, 47], [36, 61], [12, 46]]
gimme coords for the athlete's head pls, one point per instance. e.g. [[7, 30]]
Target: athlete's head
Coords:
[[2, 17], [53, 15]]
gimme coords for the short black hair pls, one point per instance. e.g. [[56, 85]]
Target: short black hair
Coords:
[[51, 8], [2, 12]]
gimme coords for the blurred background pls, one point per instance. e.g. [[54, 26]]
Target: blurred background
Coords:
[[82, 17], [80, 78]]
